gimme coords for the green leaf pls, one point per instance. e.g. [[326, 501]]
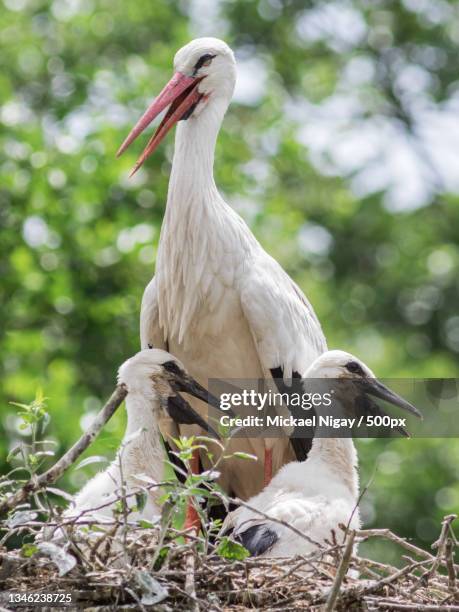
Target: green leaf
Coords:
[[210, 441], [242, 455], [185, 454], [141, 500], [228, 549], [162, 556], [13, 452], [33, 460], [18, 405], [29, 549]]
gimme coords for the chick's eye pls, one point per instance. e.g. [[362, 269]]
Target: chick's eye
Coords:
[[355, 368], [172, 367]]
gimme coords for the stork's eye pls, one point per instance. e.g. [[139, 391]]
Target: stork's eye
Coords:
[[204, 60], [172, 367], [355, 368]]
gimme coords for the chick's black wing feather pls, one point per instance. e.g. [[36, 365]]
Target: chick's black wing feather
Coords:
[[258, 539]]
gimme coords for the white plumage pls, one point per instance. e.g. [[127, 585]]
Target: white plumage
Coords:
[[152, 378], [310, 496], [218, 300], [317, 495]]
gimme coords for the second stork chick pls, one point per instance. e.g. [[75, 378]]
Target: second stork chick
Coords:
[[316, 495]]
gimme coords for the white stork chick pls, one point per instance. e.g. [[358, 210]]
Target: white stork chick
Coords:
[[153, 379], [316, 495], [218, 300]]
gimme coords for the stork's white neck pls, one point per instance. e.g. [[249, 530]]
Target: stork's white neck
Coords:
[[338, 453], [142, 453], [141, 410], [199, 229], [340, 456], [192, 177]]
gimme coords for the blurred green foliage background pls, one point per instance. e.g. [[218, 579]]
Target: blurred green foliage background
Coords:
[[340, 150]]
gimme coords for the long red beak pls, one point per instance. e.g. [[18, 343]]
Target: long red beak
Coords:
[[182, 94]]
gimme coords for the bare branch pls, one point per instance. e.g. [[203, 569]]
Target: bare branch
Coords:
[[56, 471], [342, 570]]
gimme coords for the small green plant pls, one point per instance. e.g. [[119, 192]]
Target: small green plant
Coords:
[[27, 459], [34, 420], [228, 549]]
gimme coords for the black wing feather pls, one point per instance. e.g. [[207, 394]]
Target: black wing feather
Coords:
[[176, 461], [257, 539], [301, 445]]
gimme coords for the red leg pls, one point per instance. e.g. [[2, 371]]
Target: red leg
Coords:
[[192, 520], [268, 466]]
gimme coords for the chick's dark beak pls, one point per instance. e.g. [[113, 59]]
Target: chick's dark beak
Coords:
[[372, 386], [181, 412], [188, 384]]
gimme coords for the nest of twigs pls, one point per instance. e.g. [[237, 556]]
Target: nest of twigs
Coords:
[[149, 568], [73, 563]]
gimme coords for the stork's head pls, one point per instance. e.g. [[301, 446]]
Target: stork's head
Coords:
[[361, 383], [157, 375], [211, 63], [204, 71], [338, 364]]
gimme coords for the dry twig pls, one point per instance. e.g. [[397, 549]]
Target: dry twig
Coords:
[[70, 456], [342, 571]]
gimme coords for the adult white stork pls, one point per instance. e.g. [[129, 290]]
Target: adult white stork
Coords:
[[218, 301], [315, 496], [154, 380]]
